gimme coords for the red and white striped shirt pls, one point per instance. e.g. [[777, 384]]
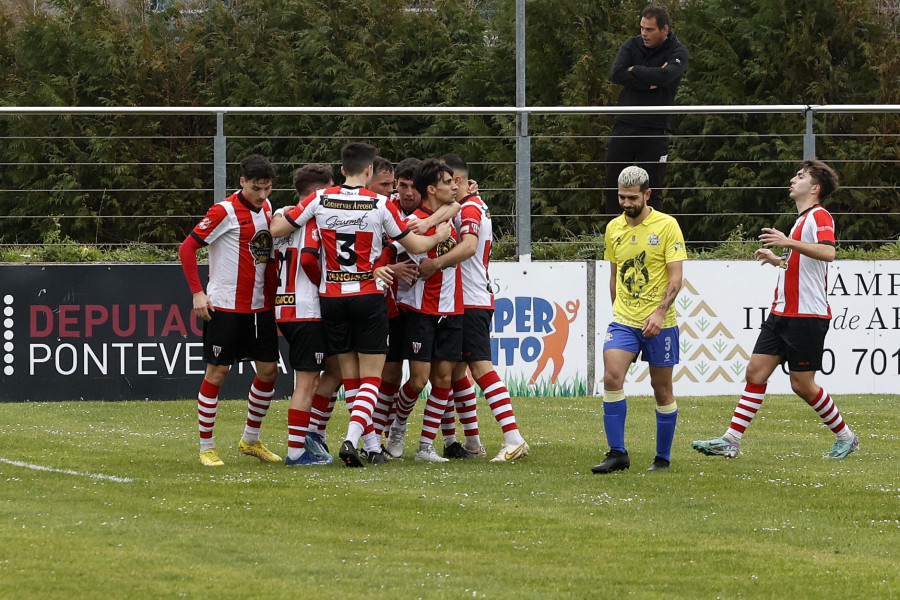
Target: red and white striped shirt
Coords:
[[802, 289], [297, 298], [400, 286], [240, 246], [440, 294], [351, 222], [475, 219]]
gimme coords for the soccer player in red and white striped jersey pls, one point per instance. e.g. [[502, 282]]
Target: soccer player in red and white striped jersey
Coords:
[[299, 318], [800, 317], [352, 221], [475, 228], [403, 273], [323, 401], [239, 322], [433, 335]]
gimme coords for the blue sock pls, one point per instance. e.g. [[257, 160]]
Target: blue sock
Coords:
[[665, 433], [614, 421]]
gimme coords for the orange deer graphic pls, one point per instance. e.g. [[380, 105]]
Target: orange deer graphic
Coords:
[[555, 342]]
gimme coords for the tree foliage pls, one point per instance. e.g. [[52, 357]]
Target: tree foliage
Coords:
[[86, 169]]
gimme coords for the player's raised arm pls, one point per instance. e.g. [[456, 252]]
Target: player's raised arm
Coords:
[[284, 222], [419, 244]]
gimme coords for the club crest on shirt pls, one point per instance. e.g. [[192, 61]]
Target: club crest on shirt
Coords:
[[445, 246], [654, 240], [261, 247]]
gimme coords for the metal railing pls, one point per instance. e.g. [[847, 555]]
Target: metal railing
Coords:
[[523, 136]]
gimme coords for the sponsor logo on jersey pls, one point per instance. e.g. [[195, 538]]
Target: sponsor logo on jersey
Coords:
[[205, 223], [364, 204], [342, 277], [337, 223], [284, 241], [284, 299], [634, 274]]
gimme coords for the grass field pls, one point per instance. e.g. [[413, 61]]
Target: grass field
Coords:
[[124, 509]]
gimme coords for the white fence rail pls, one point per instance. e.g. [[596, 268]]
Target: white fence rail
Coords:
[[221, 133]]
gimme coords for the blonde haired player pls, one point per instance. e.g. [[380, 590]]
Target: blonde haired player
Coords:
[[645, 250]]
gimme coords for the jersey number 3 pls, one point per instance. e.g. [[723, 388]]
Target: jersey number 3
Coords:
[[346, 255]]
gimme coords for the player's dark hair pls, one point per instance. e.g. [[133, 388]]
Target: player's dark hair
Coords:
[[429, 173], [821, 175], [659, 13], [256, 167], [311, 177], [455, 162], [406, 168], [356, 156], [382, 165]]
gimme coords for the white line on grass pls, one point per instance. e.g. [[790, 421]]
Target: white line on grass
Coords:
[[17, 463]]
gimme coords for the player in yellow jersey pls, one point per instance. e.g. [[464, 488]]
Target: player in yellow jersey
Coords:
[[645, 249]]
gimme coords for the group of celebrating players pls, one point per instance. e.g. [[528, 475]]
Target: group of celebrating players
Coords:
[[358, 278]]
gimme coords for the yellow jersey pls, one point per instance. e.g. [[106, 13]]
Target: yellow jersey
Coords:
[[640, 255]]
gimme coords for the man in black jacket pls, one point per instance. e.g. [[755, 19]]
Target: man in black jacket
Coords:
[[649, 67]]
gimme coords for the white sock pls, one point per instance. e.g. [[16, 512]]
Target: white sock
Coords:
[[371, 442], [251, 434], [513, 438], [845, 434], [354, 432]]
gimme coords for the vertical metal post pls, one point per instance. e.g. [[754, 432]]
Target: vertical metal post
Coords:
[[523, 145], [809, 138], [591, 274], [219, 158]]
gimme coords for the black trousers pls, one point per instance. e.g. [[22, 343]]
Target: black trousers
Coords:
[[646, 148]]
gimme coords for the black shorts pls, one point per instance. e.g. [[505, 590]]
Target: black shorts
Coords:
[[433, 337], [396, 331], [307, 342], [231, 337], [800, 340], [355, 323], [476, 344]]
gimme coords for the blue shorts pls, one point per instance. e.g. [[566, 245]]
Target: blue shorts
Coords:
[[660, 350]]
